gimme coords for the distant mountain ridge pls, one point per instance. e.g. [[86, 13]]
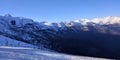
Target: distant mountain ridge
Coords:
[[98, 37]]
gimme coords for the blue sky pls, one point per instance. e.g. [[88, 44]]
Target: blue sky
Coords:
[[60, 10]]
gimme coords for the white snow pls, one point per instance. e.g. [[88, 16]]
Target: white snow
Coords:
[[16, 53], [107, 20], [19, 21], [62, 26], [5, 23], [5, 41]]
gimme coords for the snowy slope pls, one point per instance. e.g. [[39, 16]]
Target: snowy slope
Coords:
[[16, 53], [5, 41]]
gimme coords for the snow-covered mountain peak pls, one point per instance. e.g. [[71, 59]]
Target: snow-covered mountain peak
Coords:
[[17, 21], [48, 24], [8, 15], [102, 21], [107, 20], [78, 21], [8, 20]]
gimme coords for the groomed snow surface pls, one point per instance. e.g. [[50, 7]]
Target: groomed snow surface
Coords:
[[17, 53]]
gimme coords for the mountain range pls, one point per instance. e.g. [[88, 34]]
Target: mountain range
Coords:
[[99, 37]]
